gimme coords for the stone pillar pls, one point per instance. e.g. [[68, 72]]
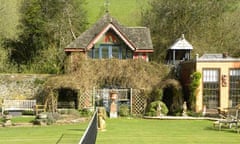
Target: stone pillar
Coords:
[[113, 105]]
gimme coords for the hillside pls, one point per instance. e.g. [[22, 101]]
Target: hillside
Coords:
[[128, 12], [9, 17]]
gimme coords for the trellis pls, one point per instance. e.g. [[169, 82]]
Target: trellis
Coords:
[[87, 99], [136, 100]]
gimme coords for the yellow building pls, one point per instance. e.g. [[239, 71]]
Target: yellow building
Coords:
[[220, 81]]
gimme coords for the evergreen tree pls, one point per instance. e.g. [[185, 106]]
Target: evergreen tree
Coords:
[[46, 25]]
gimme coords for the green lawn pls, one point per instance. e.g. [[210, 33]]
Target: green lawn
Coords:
[[42, 134], [137, 131], [125, 131]]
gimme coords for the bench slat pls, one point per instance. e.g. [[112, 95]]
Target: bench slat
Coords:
[[18, 105]]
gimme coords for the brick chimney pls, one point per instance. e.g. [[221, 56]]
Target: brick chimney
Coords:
[[225, 54]]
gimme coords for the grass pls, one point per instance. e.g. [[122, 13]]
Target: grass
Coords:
[[24, 119], [124, 131], [42, 134], [135, 131], [127, 12]]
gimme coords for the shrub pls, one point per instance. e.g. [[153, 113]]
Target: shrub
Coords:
[[153, 111], [69, 112], [73, 112], [124, 110], [6, 112], [195, 82], [63, 111], [194, 114], [85, 112], [52, 118], [28, 112]]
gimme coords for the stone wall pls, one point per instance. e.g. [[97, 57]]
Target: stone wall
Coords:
[[21, 86]]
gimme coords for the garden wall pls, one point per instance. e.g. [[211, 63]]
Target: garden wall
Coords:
[[21, 86]]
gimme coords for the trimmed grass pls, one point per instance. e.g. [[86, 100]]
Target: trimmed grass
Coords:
[[125, 131], [42, 134], [23, 119], [135, 131], [20, 119]]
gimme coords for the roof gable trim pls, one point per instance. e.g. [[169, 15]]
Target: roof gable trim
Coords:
[[110, 26]]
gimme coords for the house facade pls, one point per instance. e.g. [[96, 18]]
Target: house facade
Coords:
[[220, 83], [107, 39]]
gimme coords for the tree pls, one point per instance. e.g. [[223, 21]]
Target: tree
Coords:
[[45, 25], [200, 21]]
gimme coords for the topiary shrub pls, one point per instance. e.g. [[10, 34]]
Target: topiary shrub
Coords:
[[153, 110], [194, 85]]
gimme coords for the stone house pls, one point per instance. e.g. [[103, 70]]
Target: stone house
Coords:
[[220, 83]]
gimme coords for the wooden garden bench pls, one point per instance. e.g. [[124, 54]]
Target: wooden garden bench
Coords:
[[18, 105]]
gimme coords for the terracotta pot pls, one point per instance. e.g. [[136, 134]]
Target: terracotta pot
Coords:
[[113, 96]]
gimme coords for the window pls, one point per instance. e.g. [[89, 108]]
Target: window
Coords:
[[116, 53], [211, 88], [110, 51], [234, 90], [104, 52]]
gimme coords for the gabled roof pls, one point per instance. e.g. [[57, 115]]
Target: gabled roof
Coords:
[[137, 38], [181, 44]]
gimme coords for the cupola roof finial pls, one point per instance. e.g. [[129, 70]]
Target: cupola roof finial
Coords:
[[183, 36]]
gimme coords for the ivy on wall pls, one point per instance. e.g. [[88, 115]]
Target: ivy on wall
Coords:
[[195, 82]]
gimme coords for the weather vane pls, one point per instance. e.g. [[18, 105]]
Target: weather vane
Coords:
[[106, 5]]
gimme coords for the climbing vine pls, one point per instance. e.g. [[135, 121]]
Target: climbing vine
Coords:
[[195, 82]]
